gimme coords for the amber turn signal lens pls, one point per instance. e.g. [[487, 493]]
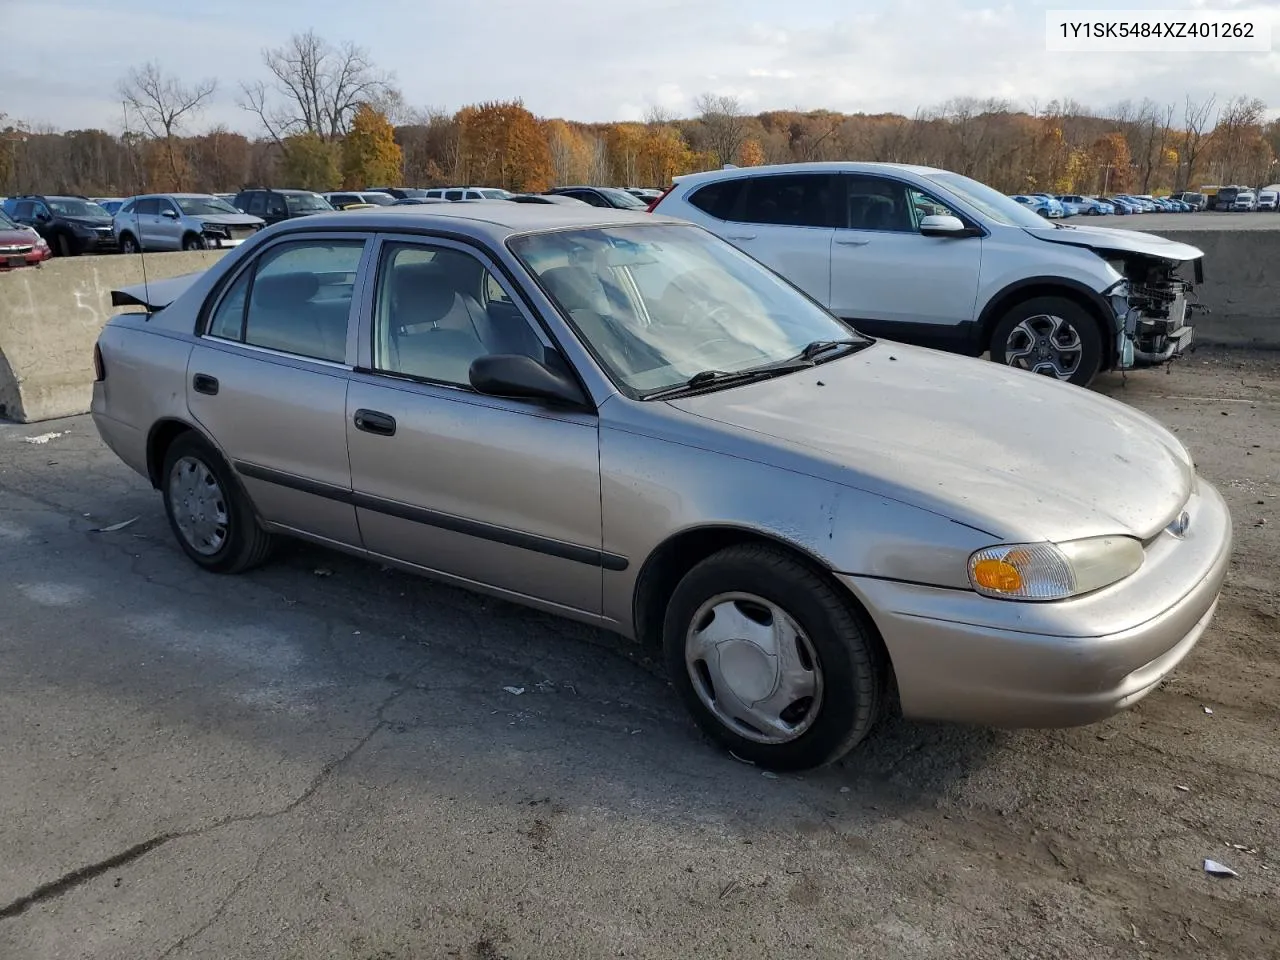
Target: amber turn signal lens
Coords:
[[997, 575]]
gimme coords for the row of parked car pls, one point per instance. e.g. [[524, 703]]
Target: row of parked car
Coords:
[[1057, 207]]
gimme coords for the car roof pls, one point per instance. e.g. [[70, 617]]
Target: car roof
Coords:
[[493, 220], [820, 166]]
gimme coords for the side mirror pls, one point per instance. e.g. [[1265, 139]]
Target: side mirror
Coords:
[[170, 213], [517, 375], [43, 216], [943, 226]]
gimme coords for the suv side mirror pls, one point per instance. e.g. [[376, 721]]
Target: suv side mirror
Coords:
[[43, 216], [517, 375], [935, 225], [170, 213]]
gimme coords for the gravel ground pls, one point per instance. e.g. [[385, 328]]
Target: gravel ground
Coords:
[[320, 760]]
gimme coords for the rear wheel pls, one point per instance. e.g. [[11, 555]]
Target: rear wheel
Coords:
[[208, 512], [1052, 336], [772, 660]]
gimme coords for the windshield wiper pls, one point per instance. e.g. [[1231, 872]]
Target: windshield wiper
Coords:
[[719, 378], [818, 347]]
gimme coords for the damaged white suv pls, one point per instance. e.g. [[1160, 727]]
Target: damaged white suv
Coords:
[[938, 259]]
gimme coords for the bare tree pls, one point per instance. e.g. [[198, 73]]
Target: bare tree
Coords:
[[161, 104], [1195, 121], [1155, 127], [657, 116], [1239, 124], [316, 88], [725, 125]]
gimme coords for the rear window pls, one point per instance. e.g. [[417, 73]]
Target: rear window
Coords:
[[718, 199]]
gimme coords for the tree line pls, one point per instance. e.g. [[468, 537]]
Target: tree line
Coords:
[[328, 117]]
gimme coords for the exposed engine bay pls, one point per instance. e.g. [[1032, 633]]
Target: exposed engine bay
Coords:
[[1153, 307]]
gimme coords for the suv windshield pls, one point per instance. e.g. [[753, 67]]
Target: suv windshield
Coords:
[[992, 203], [76, 208], [306, 202], [204, 206], [660, 304]]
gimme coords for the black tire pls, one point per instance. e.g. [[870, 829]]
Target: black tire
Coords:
[[848, 652], [62, 246], [193, 241], [128, 244], [1050, 358], [245, 544]]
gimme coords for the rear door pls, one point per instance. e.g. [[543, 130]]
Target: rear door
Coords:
[[268, 380], [891, 279], [490, 491], [786, 221], [146, 214]]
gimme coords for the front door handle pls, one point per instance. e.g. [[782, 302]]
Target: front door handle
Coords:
[[203, 383], [851, 242], [371, 421]]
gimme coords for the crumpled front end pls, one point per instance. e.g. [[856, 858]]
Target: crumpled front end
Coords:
[[1152, 306]]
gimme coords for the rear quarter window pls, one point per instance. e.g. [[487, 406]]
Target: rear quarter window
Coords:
[[718, 199]]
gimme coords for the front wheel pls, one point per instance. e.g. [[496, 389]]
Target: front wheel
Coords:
[[194, 242], [62, 245], [208, 512], [1052, 336], [772, 660], [128, 244]]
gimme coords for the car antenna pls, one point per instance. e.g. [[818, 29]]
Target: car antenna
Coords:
[[142, 253]]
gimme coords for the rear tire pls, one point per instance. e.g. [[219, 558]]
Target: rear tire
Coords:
[[1052, 336], [773, 660], [208, 511]]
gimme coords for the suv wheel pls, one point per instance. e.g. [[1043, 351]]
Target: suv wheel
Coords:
[[62, 245], [193, 241], [1052, 336], [208, 512], [772, 660], [128, 244]]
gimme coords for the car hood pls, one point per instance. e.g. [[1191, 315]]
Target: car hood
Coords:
[[1111, 239], [1007, 452], [90, 221], [230, 219], [24, 238]]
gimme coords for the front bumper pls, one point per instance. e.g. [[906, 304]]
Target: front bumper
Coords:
[[961, 657]]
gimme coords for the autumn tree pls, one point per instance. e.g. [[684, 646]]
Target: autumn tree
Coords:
[[504, 145], [370, 154], [162, 104], [663, 155], [570, 152], [624, 142], [309, 162], [723, 124], [750, 154], [1111, 153], [219, 159], [316, 88]]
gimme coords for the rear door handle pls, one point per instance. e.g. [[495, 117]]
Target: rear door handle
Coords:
[[203, 383], [371, 421], [851, 242]]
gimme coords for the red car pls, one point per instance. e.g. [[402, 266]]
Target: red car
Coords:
[[20, 246]]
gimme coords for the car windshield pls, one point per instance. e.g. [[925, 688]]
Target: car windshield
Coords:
[[658, 305], [306, 202], [494, 194], [204, 206], [992, 203], [621, 198], [76, 208]]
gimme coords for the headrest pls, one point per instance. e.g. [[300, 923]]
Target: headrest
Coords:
[[421, 293], [282, 290], [574, 287]]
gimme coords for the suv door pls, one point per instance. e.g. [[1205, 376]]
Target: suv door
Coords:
[[893, 281], [268, 380], [489, 491], [786, 221], [277, 208], [169, 225], [146, 213]]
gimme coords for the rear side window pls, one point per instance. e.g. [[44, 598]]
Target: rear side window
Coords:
[[718, 199], [796, 200], [296, 299], [453, 195]]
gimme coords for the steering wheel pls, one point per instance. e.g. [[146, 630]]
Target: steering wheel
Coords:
[[718, 313]]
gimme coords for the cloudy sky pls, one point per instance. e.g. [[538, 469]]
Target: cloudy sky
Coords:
[[609, 60]]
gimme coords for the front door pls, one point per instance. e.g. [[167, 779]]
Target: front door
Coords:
[[168, 229], [499, 493], [268, 381], [896, 282]]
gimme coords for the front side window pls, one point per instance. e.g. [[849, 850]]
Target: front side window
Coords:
[[256, 203], [879, 204], [659, 304], [296, 298], [453, 195], [149, 207], [794, 200], [437, 310]]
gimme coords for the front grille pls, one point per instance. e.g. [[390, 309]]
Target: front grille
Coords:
[[15, 250]]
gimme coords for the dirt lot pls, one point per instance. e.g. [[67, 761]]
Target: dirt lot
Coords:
[[320, 761]]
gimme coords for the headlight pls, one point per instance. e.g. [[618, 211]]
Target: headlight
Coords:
[[1053, 571]]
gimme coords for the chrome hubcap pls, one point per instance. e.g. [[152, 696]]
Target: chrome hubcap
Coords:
[[753, 668], [199, 507], [1046, 345]]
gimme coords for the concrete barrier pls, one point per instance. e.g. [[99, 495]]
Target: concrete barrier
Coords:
[[50, 318], [1241, 284]]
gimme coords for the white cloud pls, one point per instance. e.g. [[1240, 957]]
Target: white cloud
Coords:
[[603, 59]]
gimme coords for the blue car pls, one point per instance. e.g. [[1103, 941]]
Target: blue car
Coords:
[[1089, 206], [1056, 208], [1036, 203]]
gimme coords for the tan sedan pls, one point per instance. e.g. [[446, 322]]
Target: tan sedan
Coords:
[[622, 419]]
